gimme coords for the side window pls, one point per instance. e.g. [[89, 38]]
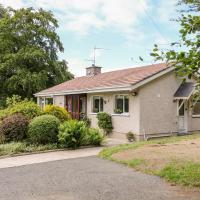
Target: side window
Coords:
[[44, 101], [48, 101], [196, 108], [97, 105]]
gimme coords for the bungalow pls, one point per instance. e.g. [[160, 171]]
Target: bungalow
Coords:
[[146, 100]]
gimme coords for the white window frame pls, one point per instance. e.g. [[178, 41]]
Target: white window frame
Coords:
[[43, 101], [98, 97], [195, 115], [123, 113]]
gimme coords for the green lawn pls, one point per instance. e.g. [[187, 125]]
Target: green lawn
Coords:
[[183, 172]]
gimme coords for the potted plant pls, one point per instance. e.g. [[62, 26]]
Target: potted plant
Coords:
[[118, 111], [130, 136]]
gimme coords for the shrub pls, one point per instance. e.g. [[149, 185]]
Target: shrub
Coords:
[[2, 136], [71, 133], [28, 108], [10, 101], [85, 119], [14, 127], [130, 136], [105, 122], [94, 137], [43, 129], [58, 112]]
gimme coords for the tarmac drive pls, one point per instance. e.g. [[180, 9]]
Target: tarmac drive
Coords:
[[88, 178]]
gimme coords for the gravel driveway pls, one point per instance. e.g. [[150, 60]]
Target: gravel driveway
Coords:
[[88, 178]]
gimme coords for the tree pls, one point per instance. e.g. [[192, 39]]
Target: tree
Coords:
[[185, 54], [2, 11], [29, 46]]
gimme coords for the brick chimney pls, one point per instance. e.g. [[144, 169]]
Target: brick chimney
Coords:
[[93, 70]]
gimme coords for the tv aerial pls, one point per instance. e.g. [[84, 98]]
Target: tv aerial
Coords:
[[94, 54]]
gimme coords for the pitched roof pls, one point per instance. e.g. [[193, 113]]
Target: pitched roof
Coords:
[[118, 78]]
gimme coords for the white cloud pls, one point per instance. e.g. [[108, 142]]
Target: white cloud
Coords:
[[77, 66], [81, 16], [14, 4], [167, 10]]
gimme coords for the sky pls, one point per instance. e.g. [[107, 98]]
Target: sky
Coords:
[[124, 29]]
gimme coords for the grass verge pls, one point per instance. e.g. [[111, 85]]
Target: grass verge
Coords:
[[183, 173], [108, 152]]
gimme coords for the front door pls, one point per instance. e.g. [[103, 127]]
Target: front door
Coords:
[[76, 105], [182, 116]]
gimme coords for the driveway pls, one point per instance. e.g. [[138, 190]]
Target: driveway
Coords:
[[88, 178]]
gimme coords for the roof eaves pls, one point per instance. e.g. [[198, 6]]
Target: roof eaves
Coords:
[[93, 90]]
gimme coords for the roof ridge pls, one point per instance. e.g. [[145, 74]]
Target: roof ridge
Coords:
[[128, 68]]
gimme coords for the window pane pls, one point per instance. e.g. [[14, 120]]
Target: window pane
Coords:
[[181, 110], [101, 104], [119, 104], [196, 108], [95, 104], [49, 101], [69, 103], [126, 106]]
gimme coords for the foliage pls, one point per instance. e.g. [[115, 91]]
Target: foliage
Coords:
[[105, 122], [2, 103], [71, 133], [14, 127], [85, 119], [184, 173], [23, 147], [59, 112], [43, 129], [117, 111], [28, 108], [11, 101], [28, 52], [93, 137], [2, 11], [2, 136], [185, 54], [130, 136]]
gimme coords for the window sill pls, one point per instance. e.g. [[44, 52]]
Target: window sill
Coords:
[[195, 116], [93, 113], [122, 114]]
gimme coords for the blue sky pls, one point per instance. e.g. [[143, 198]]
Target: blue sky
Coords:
[[128, 28]]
